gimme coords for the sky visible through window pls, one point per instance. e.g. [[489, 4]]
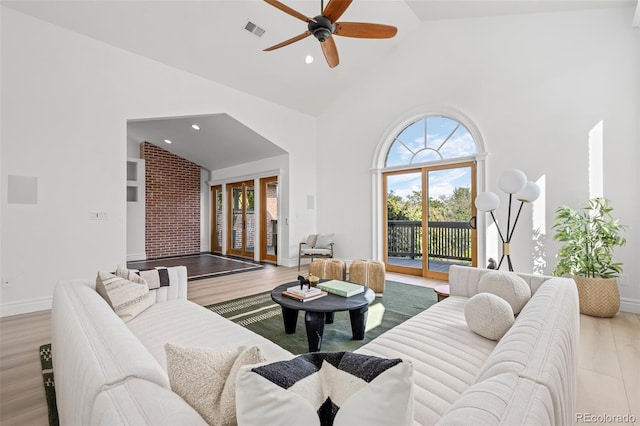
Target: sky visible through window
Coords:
[[429, 139]]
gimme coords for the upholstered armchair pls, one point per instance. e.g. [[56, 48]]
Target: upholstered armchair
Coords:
[[316, 246]]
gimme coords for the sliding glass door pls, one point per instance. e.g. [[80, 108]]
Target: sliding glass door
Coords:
[[430, 219]]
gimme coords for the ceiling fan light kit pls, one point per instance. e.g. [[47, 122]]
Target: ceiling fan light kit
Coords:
[[324, 26]]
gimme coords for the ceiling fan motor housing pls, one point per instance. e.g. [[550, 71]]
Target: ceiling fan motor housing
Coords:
[[322, 28]]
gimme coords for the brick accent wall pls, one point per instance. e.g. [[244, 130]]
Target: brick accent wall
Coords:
[[172, 203]]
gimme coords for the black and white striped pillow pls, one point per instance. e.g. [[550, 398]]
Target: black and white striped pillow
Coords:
[[327, 388]]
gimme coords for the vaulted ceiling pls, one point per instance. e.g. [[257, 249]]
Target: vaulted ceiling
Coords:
[[208, 38]]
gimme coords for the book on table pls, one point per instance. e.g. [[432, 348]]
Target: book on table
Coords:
[[341, 288], [305, 291], [299, 298]]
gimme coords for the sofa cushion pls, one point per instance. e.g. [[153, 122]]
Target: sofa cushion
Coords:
[[182, 322], [502, 400], [488, 315], [206, 378], [140, 402], [127, 298], [508, 286], [445, 353], [339, 388]]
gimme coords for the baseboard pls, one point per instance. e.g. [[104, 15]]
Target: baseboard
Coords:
[[136, 256], [630, 305], [25, 306]]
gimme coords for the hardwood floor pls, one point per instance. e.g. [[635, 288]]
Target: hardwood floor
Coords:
[[608, 373]]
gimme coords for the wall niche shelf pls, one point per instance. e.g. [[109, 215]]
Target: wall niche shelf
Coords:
[[135, 179]]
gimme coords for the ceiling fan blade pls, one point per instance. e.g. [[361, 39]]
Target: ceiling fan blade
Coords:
[[330, 52], [335, 9], [364, 30], [287, 42], [286, 9]]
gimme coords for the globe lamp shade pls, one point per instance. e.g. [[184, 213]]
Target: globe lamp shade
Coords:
[[529, 193], [487, 201], [512, 181]]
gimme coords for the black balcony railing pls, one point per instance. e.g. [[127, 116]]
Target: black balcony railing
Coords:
[[447, 240]]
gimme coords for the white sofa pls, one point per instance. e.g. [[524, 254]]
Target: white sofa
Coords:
[[110, 373]]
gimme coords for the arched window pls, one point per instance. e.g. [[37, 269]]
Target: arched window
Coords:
[[431, 138], [428, 183]]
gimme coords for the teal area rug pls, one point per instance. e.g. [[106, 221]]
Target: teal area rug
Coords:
[[261, 315]]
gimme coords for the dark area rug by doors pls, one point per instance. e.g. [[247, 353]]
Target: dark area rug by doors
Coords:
[[204, 265], [263, 316]]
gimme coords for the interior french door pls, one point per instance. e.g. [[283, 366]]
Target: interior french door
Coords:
[[216, 223], [241, 219], [429, 219], [269, 219]]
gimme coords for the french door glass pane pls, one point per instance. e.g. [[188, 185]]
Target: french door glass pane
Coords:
[[449, 239], [218, 207], [250, 218], [404, 219], [272, 218], [237, 222]]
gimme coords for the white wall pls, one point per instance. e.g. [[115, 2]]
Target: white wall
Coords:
[[534, 85], [66, 100]]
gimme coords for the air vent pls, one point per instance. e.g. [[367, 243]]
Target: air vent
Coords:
[[254, 29]]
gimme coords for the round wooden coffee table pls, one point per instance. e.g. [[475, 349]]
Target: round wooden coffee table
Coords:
[[321, 311]]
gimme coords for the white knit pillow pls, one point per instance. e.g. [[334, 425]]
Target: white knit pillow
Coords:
[[508, 286], [206, 378], [488, 315]]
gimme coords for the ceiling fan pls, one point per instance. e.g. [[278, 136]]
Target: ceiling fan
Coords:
[[324, 26]]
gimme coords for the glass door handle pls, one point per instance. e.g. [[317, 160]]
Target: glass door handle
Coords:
[[473, 222]]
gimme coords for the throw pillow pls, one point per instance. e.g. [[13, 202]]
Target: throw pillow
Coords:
[[327, 388], [324, 241], [508, 286], [127, 298], [488, 315], [311, 240], [129, 274], [206, 378]]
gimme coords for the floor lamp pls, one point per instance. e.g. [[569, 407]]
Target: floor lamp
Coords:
[[513, 182]]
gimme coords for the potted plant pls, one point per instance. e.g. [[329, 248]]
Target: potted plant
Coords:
[[589, 237]]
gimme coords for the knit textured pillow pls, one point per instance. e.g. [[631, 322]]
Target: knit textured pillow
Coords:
[[127, 298], [488, 315], [327, 388], [508, 286], [206, 378]]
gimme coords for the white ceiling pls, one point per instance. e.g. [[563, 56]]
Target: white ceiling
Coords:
[[221, 142], [207, 38]]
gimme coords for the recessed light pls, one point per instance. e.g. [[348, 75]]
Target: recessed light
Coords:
[[167, 141], [195, 127], [308, 59]]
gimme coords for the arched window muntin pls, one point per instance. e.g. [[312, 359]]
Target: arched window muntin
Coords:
[[431, 138]]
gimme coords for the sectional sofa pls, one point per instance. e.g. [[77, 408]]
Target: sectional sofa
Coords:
[[108, 372]]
